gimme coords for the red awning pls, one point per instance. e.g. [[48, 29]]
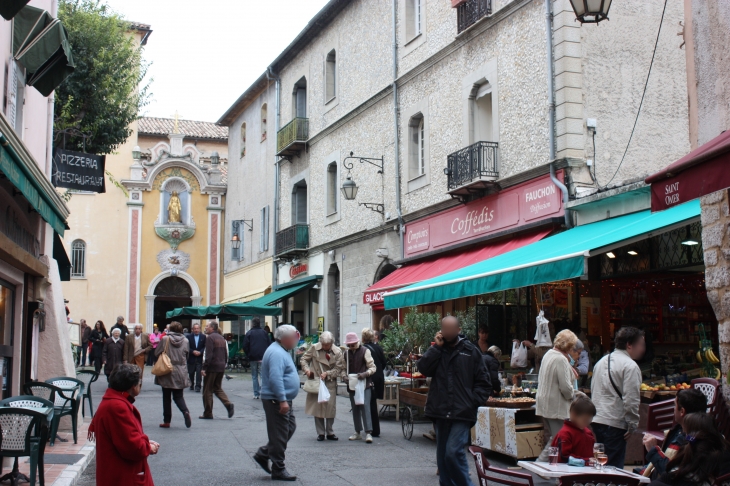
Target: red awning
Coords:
[[433, 267], [704, 170]]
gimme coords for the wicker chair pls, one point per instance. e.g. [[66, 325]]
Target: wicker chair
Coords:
[[488, 474], [17, 440], [598, 479], [87, 377], [63, 404]]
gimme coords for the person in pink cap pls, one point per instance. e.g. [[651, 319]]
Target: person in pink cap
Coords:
[[360, 366]]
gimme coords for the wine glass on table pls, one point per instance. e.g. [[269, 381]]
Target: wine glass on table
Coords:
[[602, 459], [598, 449]]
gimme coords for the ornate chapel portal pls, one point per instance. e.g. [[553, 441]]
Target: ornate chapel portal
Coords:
[[170, 293]]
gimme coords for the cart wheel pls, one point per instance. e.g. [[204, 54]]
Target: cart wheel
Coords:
[[406, 422]]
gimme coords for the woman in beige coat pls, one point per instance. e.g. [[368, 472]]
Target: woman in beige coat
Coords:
[[326, 361], [175, 344]]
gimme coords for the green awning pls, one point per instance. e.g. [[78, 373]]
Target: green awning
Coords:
[[558, 257], [40, 44], [9, 8], [61, 257], [287, 290], [225, 312], [22, 178]]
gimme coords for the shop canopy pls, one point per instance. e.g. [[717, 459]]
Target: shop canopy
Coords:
[[227, 312], [428, 268], [9, 8], [287, 290], [703, 171], [40, 44], [558, 257]]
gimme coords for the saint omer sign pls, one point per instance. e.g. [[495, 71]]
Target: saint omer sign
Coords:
[[79, 171]]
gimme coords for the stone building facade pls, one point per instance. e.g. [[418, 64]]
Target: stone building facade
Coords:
[[413, 81]]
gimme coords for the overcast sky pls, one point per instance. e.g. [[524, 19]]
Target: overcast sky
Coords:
[[205, 54]]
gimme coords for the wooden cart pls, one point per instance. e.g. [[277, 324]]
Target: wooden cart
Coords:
[[411, 400]]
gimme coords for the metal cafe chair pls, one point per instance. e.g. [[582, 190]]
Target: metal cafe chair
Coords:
[[63, 404], [87, 377], [596, 479], [488, 474], [17, 440]]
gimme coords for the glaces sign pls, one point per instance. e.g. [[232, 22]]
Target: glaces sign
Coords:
[[511, 208], [298, 269]]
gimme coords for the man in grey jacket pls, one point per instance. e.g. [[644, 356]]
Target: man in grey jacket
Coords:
[[615, 393]]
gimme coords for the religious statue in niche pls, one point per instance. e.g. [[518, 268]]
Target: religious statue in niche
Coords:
[[174, 209]]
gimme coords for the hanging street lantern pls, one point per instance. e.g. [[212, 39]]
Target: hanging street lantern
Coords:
[[349, 188], [590, 11]]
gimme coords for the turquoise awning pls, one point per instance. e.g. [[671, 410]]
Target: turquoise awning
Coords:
[[558, 257], [286, 290]]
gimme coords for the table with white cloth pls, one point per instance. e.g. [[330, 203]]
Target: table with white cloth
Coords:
[[553, 471]]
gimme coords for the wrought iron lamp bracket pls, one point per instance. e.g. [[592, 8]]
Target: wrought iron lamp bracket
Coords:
[[377, 207], [379, 163], [245, 222]]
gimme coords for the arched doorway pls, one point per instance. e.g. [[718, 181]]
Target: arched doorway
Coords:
[[385, 268], [170, 293]]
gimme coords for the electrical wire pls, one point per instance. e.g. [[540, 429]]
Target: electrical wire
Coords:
[[638, 112]]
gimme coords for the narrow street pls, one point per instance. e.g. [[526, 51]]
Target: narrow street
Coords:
[[219, 451]]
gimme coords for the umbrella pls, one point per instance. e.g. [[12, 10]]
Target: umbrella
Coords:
[[225, 312]]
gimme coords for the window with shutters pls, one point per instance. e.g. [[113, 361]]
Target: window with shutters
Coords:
[[417, 146], [78, 259], [15, 96], [414, 18], [243, 140], [236, 253], [332, 189], [299, 99], [299, 203], [263, 121], [264, 233], [330, 74]]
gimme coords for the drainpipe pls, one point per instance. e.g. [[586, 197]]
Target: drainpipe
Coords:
[[274, 267], [401, 225], [551, 107]]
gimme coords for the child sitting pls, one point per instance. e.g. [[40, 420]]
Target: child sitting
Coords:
[[575, 438]]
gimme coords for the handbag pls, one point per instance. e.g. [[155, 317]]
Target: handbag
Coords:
[[312, 384], [163, 365]]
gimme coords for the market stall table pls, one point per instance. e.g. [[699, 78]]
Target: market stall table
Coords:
[[548, 471], [516, 432]]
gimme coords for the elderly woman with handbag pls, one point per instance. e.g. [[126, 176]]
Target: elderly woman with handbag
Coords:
[[322, 362], [171, 373]]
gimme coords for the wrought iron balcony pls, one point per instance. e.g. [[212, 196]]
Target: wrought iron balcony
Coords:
[[292, 240], [472, 169], [470, 12], [292, 138]]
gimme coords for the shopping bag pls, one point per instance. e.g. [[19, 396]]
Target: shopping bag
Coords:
[[519, 355], [324, 393], [163, 365], [360, 392]]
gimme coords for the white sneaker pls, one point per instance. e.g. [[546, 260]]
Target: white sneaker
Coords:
[[356, 436], [256, 397], [368, 438]]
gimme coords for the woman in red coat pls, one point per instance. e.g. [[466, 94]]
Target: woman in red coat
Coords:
[[121, 445]]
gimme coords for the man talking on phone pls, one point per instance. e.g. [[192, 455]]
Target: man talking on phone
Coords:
[[460, 384], [279, 386]]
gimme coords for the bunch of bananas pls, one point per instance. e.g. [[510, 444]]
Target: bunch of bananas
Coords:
[[708, 355], [713, 373]]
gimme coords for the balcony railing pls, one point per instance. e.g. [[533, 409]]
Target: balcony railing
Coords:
[[475, 164], [291, 138], [294, 239], [469, 13]]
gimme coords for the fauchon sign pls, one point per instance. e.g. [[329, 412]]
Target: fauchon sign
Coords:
[[511, 208]]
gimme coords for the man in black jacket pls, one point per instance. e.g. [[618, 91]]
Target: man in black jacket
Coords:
[[459, 386], [196, 343], [255, 344], [122, 328]]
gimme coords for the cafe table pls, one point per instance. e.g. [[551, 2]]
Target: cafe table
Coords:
[[554, 471], [42, 435]]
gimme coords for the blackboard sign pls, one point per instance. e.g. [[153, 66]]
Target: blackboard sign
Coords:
[[78, 171]]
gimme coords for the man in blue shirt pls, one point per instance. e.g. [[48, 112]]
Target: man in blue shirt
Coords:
[[196, 341], [279, 386]]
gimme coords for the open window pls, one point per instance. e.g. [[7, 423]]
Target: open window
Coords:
[[264, 115], [414, 18], [416, 146], [299, 99], [482, 118], [330, 76]]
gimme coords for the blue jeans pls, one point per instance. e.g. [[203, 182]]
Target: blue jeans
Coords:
[[613, 442], [452, 437], [255, 373]]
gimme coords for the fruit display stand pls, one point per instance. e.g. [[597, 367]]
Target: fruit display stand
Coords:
[[706, 356], [511, 431]]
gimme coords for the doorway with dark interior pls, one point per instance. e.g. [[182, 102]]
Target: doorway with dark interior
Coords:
[[171, 293]]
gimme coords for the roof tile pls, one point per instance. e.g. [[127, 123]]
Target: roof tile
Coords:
[[150, 125]]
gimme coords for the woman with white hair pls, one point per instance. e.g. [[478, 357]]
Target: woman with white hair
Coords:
[[326, 361], [113, 353]]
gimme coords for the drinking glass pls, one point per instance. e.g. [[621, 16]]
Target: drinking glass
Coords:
[[553, 455], [602, 459], [598, 449]]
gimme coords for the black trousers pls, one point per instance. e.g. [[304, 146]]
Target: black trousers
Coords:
[[613, 440], [374, 418], [177, 396], [195, 366], [97, 363], [280, 429]]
